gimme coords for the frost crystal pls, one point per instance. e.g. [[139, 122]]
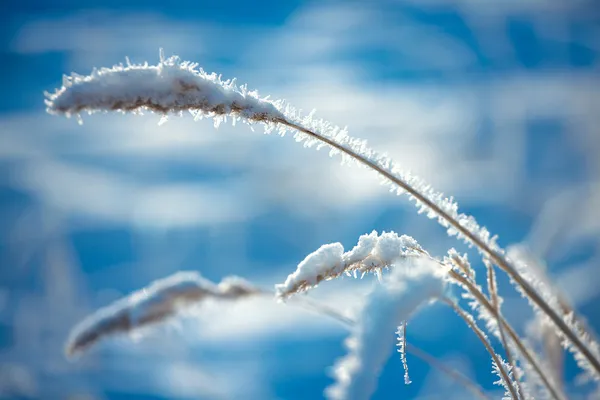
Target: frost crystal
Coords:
[[401, 333]]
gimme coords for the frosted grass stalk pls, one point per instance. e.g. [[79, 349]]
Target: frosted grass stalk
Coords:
[[155, 304], [530, 269], [373, 252], [174, 86], [233, 287], [497, 362], [486, 311], [497, 370], [497, 303]]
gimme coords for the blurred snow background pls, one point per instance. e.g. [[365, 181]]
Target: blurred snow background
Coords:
[[496, 103]]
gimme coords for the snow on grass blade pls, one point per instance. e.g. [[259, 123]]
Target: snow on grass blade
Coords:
[[160, 301], [372, 253]]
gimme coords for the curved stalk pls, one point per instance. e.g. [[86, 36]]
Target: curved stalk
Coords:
[[493, 293], [493, 255], [511, 332], [483, 339], [502, 323]]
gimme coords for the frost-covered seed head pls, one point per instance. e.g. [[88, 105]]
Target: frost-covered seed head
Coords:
[[171, 86], [372, 254], [155, 304]]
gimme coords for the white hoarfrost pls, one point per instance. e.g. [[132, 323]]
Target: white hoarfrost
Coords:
[[372, 253], [531, 270], [151, 305], [410, 285], [171, 86]]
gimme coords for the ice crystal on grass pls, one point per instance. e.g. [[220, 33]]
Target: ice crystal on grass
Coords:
[[500, 382], [401, 333], [534, 275]]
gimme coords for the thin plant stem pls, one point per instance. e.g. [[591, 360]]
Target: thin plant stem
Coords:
[[493, 289], [494, 255], [480, 297], [452, 373], [482, 338], [472, 288]]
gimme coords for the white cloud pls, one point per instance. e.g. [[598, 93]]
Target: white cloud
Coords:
[[17, 380], [507, 7], [80, 190], [103, 31], [191, 381]]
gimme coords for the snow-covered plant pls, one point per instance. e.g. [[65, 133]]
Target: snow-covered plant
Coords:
[[155, 304], [373, 253], [411, 284], [415, 277]]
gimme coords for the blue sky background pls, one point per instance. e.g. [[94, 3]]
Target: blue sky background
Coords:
[[496, 103]]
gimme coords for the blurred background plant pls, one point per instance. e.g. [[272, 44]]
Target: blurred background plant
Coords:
[[494, 103]]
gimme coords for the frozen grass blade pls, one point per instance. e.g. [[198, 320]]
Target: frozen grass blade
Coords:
[[486, 311], [465, 227]]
